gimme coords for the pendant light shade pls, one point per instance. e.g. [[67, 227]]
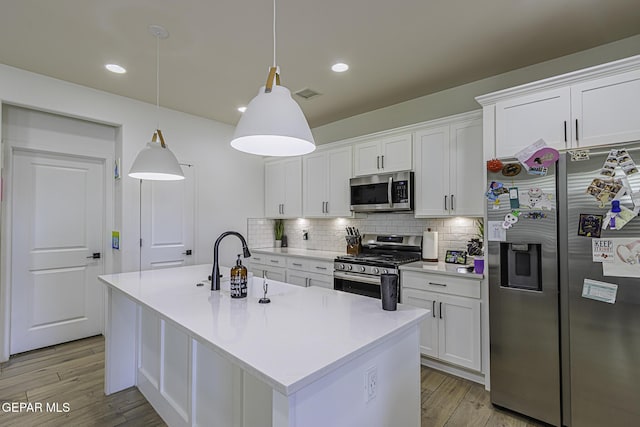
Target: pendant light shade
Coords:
[[156, 162], [273, 125]]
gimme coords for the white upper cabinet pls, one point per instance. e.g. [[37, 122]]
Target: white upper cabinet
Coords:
[[326, 183], [467, 184], [384, 154], [283, 188], [449, 176], [607, 110], [595, 106], [523, 121]]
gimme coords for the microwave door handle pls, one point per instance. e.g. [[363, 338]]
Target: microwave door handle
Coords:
[[390, 191]]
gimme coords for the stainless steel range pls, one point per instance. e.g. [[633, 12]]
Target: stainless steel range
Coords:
[[381, 254]]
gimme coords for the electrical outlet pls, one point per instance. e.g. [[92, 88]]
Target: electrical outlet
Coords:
[[305, 234], [370, 383]]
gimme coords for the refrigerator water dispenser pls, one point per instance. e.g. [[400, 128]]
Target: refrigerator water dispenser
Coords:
[[521, 266]]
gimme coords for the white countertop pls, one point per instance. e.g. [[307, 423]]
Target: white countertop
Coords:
[[440, 268], [302, 335], [297, 252]]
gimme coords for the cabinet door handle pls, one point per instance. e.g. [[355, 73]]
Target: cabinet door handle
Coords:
[[437, 284], [445, 202], [327, 209], [382, 162], [577, 139], [321, 268], [433, 309], [377, 162], [452, 207], [440, 310], [275, 261], [296, 264], [565, 131]]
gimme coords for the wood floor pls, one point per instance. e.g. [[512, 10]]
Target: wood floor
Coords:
[[73, 374]]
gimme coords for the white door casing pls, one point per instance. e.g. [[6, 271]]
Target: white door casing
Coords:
[[58, 218], [167, 222]]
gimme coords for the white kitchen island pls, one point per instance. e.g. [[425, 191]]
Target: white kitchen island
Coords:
[[312, 357]]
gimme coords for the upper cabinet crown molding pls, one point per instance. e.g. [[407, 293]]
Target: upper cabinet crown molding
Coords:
[[562, 80]]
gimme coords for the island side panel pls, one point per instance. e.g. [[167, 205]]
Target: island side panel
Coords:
[[340, 399], [120, 343]]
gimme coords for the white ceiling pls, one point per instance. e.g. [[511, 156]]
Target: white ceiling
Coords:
[[218, 52]]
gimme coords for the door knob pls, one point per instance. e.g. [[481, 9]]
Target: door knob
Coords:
[[96, 255], [187, 252]]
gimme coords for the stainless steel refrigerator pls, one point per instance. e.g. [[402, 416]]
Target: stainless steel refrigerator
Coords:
[[557, 356]]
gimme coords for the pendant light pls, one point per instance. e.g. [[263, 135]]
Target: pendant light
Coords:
[[155, 161], [273, 124]]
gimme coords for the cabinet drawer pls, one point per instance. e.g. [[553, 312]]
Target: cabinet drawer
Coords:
[[272, 260], [441, 283], [310, 265]]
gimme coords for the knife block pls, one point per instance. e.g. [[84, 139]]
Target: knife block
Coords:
[[353, 245]]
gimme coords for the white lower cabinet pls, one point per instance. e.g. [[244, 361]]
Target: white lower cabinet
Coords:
[[451, 333]]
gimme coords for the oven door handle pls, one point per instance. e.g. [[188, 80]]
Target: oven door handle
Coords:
[[373, 280], [390, 191]]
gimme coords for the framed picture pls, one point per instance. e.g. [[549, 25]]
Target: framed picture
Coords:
[[456, 257]]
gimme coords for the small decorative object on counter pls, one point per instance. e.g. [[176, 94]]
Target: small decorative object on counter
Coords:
[[478, 264], [455, 257], [239, 280], [389, 291], [285, 242], [278, 231], [265, 287]]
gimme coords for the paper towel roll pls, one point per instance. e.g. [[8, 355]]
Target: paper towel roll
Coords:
[[430, 246]]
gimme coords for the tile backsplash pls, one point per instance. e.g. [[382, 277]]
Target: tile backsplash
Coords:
[[328, 234]]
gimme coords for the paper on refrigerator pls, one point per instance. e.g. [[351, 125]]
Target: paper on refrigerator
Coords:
[[626, 258]]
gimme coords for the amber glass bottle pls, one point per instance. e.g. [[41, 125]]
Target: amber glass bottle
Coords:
[[239, 280]]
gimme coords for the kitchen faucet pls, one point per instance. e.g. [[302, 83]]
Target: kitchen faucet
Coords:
[[215, 274]]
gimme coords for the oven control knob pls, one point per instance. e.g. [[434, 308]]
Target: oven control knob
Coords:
[[362, 268], [350, 267], [375, 270], [385, 271], [341, 266]]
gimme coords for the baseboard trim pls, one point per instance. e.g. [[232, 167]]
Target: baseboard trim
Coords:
[[477, 377]]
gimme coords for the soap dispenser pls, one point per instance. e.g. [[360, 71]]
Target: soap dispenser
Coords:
[[239, 280]]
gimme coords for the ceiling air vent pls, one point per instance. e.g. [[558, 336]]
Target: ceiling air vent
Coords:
[[307, 93]]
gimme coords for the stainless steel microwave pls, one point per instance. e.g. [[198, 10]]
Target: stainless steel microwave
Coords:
[[382, 193]]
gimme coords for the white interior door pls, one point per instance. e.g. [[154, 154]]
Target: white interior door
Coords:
[[58, 217], [167, 222]]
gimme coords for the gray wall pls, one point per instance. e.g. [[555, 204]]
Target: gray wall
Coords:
[[462, 98]]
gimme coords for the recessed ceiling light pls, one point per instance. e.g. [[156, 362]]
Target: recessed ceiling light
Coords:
[[242, 109], [340, 67], [115, 68]]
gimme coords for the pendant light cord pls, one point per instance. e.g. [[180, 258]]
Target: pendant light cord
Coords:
[[274, 33], [158, 80]]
